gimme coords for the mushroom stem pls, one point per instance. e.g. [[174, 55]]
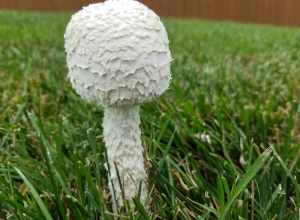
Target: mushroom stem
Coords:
[[125, 154]]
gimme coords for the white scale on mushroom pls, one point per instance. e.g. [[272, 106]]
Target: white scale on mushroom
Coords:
[[118, 56]]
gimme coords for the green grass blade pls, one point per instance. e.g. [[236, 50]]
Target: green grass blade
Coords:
[[35, 195], [244, 181]]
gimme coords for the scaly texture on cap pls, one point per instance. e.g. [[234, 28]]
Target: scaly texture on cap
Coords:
[[118, 53]]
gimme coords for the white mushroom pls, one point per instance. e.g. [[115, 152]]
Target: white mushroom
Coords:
[[118, 56]]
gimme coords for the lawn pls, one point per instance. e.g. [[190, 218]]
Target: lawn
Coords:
[[223, 142]]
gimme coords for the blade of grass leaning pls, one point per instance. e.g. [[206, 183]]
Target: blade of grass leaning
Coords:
[[35, 195], [244, 181]]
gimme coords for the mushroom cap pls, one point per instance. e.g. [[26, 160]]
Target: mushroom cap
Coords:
[[118, 53]]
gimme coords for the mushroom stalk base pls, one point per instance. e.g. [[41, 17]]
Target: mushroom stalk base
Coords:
[[125, 154]]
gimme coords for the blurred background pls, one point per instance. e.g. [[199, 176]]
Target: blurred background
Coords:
[[279, 12]]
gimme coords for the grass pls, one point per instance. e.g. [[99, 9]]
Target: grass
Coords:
[[223, 143]]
